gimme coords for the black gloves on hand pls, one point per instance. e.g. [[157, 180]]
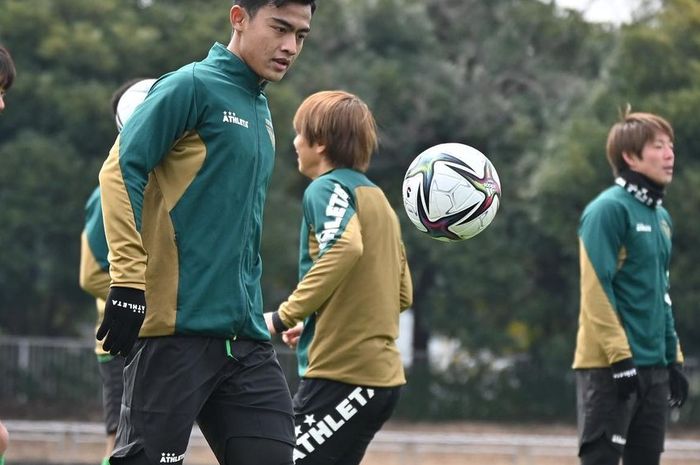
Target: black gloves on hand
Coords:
[[125, 310], [678, 384], [625, 377]]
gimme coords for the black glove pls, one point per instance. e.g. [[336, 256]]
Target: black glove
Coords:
[[678, 384], [625, 377], [125, 310]]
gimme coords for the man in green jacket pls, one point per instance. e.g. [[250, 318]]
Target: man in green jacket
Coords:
[[628, 359], [183, 191]]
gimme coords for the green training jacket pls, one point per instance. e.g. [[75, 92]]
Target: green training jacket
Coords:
[[625, 252], [354, 281], [183, 191]]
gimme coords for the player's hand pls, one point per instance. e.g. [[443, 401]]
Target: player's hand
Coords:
[[125, 310], [292, 335], [274, 323], [625, 377], [678, 385]]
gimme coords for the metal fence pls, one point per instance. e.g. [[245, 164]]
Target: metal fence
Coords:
[[59, 378]]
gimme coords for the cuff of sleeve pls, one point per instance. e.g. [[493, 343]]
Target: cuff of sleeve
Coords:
[[624, 368], [277, 322]]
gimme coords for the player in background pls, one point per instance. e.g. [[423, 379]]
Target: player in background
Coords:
[[354, 282], [183, 191], [7, 74], [7, 77], [4, 442], [94, 279], [628, 359]]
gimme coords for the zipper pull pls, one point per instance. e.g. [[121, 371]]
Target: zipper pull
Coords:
[[229, 352]]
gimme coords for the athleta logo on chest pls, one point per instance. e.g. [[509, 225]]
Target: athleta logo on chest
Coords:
[[230, 117]]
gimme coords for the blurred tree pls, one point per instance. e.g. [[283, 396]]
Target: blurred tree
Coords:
[[58, 128], [38, 262], [653, 68], [494, 82]]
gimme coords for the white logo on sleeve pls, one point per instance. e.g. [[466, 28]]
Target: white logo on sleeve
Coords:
[[338, 204], [270, 131]]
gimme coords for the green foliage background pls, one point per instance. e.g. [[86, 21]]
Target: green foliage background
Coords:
[[533, 87]]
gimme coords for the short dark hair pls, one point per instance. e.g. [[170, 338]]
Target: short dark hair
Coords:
[[631, 133], [252, 6], [7, 69], [114, 101]]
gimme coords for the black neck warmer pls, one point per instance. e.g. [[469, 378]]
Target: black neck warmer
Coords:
[[641, 187]]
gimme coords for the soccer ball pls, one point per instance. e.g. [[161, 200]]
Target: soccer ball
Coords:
[[451, 192], [130, 99]]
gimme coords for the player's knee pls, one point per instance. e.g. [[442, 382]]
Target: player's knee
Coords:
[[599, 452], [641, 456]]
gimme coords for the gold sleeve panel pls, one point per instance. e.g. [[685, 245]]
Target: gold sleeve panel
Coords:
[[166, 186], [324, 276], [178, 169], [159, 240], [601, 339], [127, 257], [406, 294], [100, 305], [93, 279]]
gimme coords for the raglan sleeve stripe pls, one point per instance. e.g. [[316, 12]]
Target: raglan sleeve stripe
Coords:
[[330, 209], [127, 257], [167, 113], [93, 279], [673, 346], [324, 276], [601, 244], [406, 293]]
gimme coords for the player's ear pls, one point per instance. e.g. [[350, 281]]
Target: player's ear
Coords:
[[630, 158], [238, 17], [320, 149]]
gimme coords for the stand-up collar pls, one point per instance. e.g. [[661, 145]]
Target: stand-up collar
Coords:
[[641, 187], [228, 61]]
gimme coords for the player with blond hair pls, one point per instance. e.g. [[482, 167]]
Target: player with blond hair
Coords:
[[354, 282]]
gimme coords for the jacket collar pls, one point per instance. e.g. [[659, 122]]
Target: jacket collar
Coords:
[[232, 64]]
